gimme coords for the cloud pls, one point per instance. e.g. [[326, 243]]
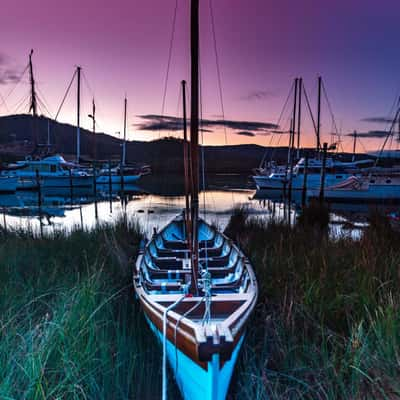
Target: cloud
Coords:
[[378, 120], [8, 74], [153, 122], [370, 134], [279, 132], [245, 133], [256, 95]]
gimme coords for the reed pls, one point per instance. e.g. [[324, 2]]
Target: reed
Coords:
[[326, 325], [327, 320], [69, 325]]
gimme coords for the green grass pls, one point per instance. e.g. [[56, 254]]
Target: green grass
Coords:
[[69, 325], [326, 326], [327, 323]]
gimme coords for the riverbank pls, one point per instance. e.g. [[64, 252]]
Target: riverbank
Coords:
[[325, 327]]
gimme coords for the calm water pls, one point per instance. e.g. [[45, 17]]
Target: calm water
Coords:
[[154, 202]]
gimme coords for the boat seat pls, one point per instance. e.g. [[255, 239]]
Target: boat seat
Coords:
[[177, 286]]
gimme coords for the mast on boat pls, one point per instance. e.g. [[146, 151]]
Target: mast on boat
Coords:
[[354, 145], [299, 117], [186, 168], [319, 115], [194, 138], [92, 116], [33, 105], [78, 122], [124, 143], [33, 102]]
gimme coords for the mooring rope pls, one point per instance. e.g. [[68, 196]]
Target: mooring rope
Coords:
[[164, 361]]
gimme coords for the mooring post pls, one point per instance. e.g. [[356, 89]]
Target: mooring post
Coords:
[[304, 192], [4, 220], [322, 186], [81, 215], [96, 215], [109, 185], [71, 192], [39, 200], [121, 172]]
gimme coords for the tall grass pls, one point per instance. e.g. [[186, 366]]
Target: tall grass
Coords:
[[69, 325], [327, 320], [326, 326]]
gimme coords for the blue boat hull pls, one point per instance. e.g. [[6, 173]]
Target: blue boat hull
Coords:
[[194, 382]]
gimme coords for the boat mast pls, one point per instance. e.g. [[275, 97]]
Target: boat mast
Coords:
[[319, 115], [33, 106], [124, 143], [78, 122], [354, 145], [94, 128], [186, 168], [194, 137], [33, 103], [299, 117]]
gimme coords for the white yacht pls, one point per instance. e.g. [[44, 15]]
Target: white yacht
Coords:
[[366, 189], [115, 174], [336, 172], [50, 172]]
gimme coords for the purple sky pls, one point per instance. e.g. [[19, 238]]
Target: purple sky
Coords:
[[122, 46]]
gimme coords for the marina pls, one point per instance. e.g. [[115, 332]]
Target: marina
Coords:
[[199, 200]]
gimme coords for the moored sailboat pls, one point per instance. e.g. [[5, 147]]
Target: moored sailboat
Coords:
[[195, 286]]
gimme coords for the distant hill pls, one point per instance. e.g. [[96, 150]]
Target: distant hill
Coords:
[[17, 133]]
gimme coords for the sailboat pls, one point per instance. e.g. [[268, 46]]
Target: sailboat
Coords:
[[196, 287], [121, 173]]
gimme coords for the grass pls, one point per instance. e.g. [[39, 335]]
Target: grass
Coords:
[[327, 321], [69, 326], [326, 326]]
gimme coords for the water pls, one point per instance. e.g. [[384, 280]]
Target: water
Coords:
[[155, 201]]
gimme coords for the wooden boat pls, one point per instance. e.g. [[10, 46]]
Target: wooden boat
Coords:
[[204, 332], [196, 287]]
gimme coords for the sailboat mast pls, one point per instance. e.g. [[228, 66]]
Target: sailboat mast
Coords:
[[186, 167], [124, 144], [94, 128], [78, 116], [33, 106], [194, 136], [299, 117], [319, 114], [354, 145]]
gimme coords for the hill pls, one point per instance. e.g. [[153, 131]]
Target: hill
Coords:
[[19, 132]]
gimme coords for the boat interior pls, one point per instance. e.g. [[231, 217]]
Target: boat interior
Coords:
[[165, 265]]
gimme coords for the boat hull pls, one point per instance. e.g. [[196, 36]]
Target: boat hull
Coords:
[[105, 179], [8, 185], [195, 382], [203, 330], [313, 181], [377, 194]]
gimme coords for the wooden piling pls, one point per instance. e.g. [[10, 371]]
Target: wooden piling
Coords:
[[109, 185], [304, 192], [322, 185], [96, 215], [39, 201], [71, 191]]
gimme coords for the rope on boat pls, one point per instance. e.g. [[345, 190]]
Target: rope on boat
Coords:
[[164, 364], [176, 329], [207, 285]]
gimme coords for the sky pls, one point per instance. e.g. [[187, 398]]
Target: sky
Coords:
[[123, 48]]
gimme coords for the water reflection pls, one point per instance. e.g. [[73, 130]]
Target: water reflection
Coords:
[[155, 200]]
